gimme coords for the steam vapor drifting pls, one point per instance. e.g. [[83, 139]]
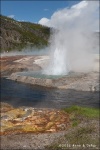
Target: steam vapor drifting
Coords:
[[72, 41]]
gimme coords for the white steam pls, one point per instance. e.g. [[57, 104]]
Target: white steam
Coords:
[[73, 40]]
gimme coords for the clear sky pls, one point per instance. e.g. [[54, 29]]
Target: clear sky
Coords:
[[32, 11]]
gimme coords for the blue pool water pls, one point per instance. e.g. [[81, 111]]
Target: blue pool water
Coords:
[[19, 94]]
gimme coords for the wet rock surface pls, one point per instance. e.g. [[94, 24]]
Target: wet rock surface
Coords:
[[5, 107], [84, 82], [11, 64], [25, 120]]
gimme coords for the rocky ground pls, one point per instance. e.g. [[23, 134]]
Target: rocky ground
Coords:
[[49, 129]]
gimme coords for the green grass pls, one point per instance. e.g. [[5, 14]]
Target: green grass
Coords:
[[85, 133], [83, 111]]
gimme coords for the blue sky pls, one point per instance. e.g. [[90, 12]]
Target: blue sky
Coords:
[[32, 11]]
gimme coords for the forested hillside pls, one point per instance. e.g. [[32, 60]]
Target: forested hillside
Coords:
[[17, 35]]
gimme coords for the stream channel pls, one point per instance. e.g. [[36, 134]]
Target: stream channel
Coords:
[[20, 94]]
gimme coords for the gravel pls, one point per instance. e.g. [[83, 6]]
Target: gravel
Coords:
[[42, 140]]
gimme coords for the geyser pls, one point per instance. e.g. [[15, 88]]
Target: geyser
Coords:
[[72, 38], [57, 64]]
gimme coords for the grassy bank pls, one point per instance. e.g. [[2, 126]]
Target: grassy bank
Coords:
[[84, 131], [83, 111]]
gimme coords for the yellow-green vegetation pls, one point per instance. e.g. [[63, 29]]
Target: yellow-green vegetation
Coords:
[[84, 133], [78, 113], [83, 111]]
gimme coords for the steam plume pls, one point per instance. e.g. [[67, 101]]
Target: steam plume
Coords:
[[72, 40]]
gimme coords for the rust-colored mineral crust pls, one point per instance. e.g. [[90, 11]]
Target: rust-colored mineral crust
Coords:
[[25, 120]]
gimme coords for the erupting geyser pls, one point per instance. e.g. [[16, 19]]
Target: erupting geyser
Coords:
[[58, 64], [72, 38], [59, 60]]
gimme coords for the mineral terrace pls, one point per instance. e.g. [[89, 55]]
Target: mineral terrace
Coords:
[[10, 66]]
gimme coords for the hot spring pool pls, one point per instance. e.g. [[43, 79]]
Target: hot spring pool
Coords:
[[39, 74]]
